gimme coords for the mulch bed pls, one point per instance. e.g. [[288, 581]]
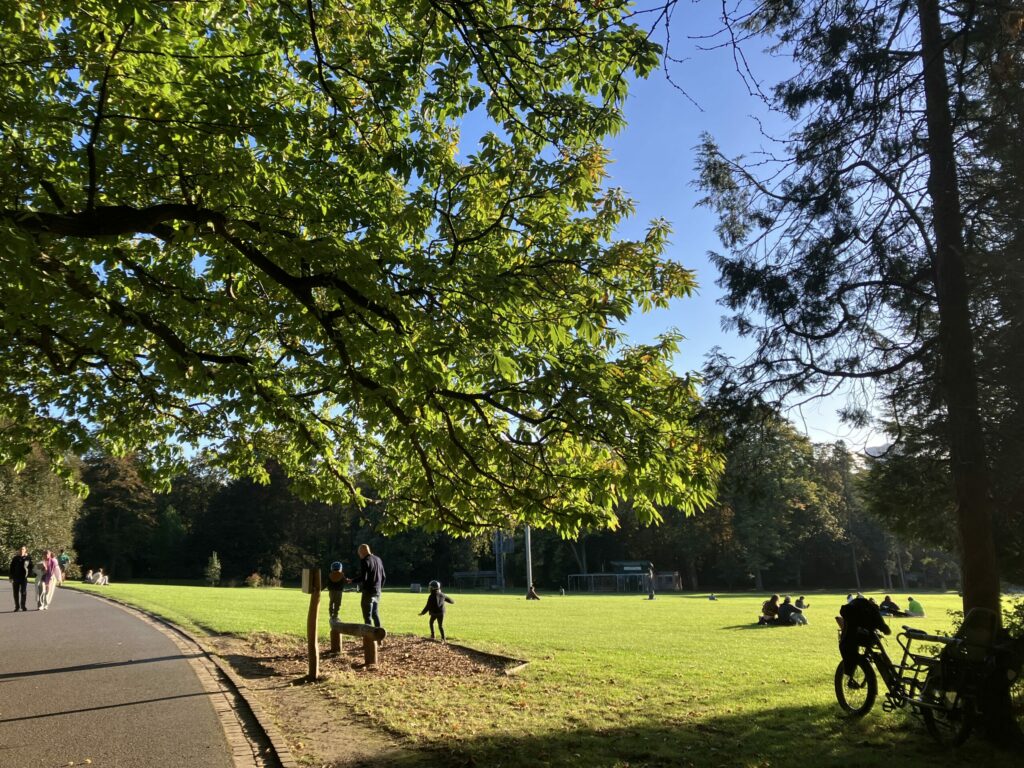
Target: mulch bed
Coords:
[[400, 656]]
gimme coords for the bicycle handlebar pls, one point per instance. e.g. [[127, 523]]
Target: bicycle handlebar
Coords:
[[920, 634]]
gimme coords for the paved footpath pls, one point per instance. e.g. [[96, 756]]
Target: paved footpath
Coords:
[[87, 683]]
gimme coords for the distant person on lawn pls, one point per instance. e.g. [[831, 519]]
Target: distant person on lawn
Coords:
[[914, 608], [770, 611], [371, 583], [790, 614], [436, 608], [889, 607], [531, 593], [801, 603], [21, 569], [336, 582]]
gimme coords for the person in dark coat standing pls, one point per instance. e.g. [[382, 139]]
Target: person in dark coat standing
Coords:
[[371, 583], [436, 608], [21, 569]]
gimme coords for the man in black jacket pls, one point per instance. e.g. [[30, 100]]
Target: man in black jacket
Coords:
[[21, 567], [371, 582]]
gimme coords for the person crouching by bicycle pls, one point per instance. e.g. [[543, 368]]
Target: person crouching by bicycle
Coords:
[[859, 619]]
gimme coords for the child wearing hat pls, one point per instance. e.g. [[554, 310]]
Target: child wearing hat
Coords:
[[336, 582], [436, 608]]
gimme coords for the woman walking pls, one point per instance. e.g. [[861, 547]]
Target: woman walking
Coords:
[[51, 579]]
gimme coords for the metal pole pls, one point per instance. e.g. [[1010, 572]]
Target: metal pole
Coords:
[[529, 558]]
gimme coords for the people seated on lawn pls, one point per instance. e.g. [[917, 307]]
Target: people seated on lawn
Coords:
[[89, 577], [889, 607], [914, 608], [801, 603], [790, 614], [770, 611]]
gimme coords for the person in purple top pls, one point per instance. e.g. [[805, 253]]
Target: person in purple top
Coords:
[[51, 576]]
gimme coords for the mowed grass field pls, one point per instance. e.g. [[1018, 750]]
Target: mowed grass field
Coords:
[[614, 681]]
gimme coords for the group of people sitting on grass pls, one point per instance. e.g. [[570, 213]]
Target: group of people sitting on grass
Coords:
[[888, 607], [99, 578], [786, 613]]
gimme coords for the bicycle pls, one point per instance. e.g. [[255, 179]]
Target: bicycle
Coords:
[[947, 689]]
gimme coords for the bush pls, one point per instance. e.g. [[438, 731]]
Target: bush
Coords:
[[212, 570], [73, 572], [254, 580]]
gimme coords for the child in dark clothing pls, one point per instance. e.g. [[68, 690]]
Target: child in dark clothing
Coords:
[[436, 608], [336, 582]]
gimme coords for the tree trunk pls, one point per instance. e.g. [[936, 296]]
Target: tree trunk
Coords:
[[691, 571], [853, 559], [956, 341], [758, 580]]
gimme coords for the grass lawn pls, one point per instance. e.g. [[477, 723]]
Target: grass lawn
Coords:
[[615, 681]]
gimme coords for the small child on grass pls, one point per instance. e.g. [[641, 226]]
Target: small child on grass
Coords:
[[436, 608], [336, 582]]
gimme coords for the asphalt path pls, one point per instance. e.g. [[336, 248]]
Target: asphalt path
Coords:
[[86, 683]]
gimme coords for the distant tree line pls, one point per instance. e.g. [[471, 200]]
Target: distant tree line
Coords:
[[790, 514]]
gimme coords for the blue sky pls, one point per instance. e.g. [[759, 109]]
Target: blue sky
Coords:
[[653, 161]]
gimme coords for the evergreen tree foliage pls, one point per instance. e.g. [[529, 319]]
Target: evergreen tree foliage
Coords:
[[851, 252]]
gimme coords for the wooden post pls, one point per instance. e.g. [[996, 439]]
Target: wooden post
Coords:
[[369, 650], [335, 640], [311, 624]]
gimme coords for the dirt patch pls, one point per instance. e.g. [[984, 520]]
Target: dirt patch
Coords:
[[323, 732]]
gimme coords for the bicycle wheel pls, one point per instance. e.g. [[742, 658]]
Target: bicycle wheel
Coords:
[[947, 718], [856, 693]]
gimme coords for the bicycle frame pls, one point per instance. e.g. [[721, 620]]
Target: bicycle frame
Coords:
[[905, 681]]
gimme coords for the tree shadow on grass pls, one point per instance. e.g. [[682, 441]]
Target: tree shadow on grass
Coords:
[[793, 737]]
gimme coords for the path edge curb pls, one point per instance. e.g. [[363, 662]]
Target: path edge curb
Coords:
[[274, 736]]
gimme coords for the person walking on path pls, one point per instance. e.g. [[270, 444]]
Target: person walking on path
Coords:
[[21, 567], [436, 608], [51, 578], [371, 582], [650, 581], [63, 559]]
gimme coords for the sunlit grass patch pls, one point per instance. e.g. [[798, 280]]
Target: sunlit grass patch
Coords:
[[612, 680]]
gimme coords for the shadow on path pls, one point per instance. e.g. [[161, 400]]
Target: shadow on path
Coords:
[[96, 665], [104, 707]]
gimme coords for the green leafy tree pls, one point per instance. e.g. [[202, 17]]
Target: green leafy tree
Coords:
[[212, 570], [115, 530], [257, 227], [37, 509]]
